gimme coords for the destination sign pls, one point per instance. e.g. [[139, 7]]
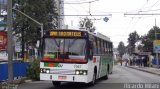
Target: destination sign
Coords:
[[66, 33]]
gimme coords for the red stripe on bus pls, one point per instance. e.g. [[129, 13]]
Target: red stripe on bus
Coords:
[[94, 60], [75, 60], [65, 60]]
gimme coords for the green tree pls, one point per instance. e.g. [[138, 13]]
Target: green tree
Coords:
[[43, 11], [87, 24], [33, 70], [121, 48], [147, 40], [133, 38]]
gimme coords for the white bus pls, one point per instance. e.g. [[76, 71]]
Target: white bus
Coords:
[[75, 56]]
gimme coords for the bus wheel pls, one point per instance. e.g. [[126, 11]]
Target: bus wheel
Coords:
[[93, 80], [111, 73], [106, 76], [56, 83]]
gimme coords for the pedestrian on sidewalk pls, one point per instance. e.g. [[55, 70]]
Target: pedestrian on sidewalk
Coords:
[[134, 61], [130, 62], [145, 61], [126, 62], [140, 61]]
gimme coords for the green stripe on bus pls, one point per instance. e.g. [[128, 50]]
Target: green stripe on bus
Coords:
[[46, 64]]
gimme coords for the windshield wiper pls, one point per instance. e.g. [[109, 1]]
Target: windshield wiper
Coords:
[[58, 45], [70, 45]]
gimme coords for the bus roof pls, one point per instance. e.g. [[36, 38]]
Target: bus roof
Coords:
[[101, 36]]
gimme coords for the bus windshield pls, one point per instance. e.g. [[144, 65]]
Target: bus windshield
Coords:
[[64, 48]]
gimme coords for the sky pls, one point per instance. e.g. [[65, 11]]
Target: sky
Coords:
[[119, 25]]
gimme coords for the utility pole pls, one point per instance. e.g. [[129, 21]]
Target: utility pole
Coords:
[[1, 5], [0, 8], [157, 56], [9, 40], [60, 7]]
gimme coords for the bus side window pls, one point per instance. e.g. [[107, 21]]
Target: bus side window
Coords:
[[95, 47], [90, 50]]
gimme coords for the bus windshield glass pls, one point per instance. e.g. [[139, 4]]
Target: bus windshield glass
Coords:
[[64, 48]]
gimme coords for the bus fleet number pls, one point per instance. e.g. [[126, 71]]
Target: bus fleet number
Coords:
[[77, 66]]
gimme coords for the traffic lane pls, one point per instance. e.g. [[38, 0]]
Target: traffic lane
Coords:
[[48, 85], [123, 74], [35, 86], [117, 80], [142, 76], [85, 86]]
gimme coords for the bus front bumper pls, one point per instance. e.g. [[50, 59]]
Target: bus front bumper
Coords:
[[64, 78]]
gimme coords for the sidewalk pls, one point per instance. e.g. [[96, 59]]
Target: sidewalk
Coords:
[[15, 83], [147, 69]]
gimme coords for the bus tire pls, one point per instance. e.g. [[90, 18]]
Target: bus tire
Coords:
[[56, 83], [111, 73], [106, 76], [93, 80]]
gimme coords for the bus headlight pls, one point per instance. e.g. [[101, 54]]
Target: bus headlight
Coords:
[[45, 70], [81, 72], [77, 72], [84, 73]]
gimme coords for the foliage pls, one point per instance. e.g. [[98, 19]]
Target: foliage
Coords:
[[121, 48], [133, 38], [87, 24], [42, 11], [33, 70], [147, 40]]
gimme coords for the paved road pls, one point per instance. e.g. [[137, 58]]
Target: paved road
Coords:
[[129, 75], [122, 78]]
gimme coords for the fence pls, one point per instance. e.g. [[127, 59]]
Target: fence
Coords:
[[19, 70]]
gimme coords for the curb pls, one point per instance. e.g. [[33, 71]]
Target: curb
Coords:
[[144, 70], [28, 81], [15, 83], [19, 81]]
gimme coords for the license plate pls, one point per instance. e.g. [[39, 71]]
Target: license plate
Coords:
[[62, 77]]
